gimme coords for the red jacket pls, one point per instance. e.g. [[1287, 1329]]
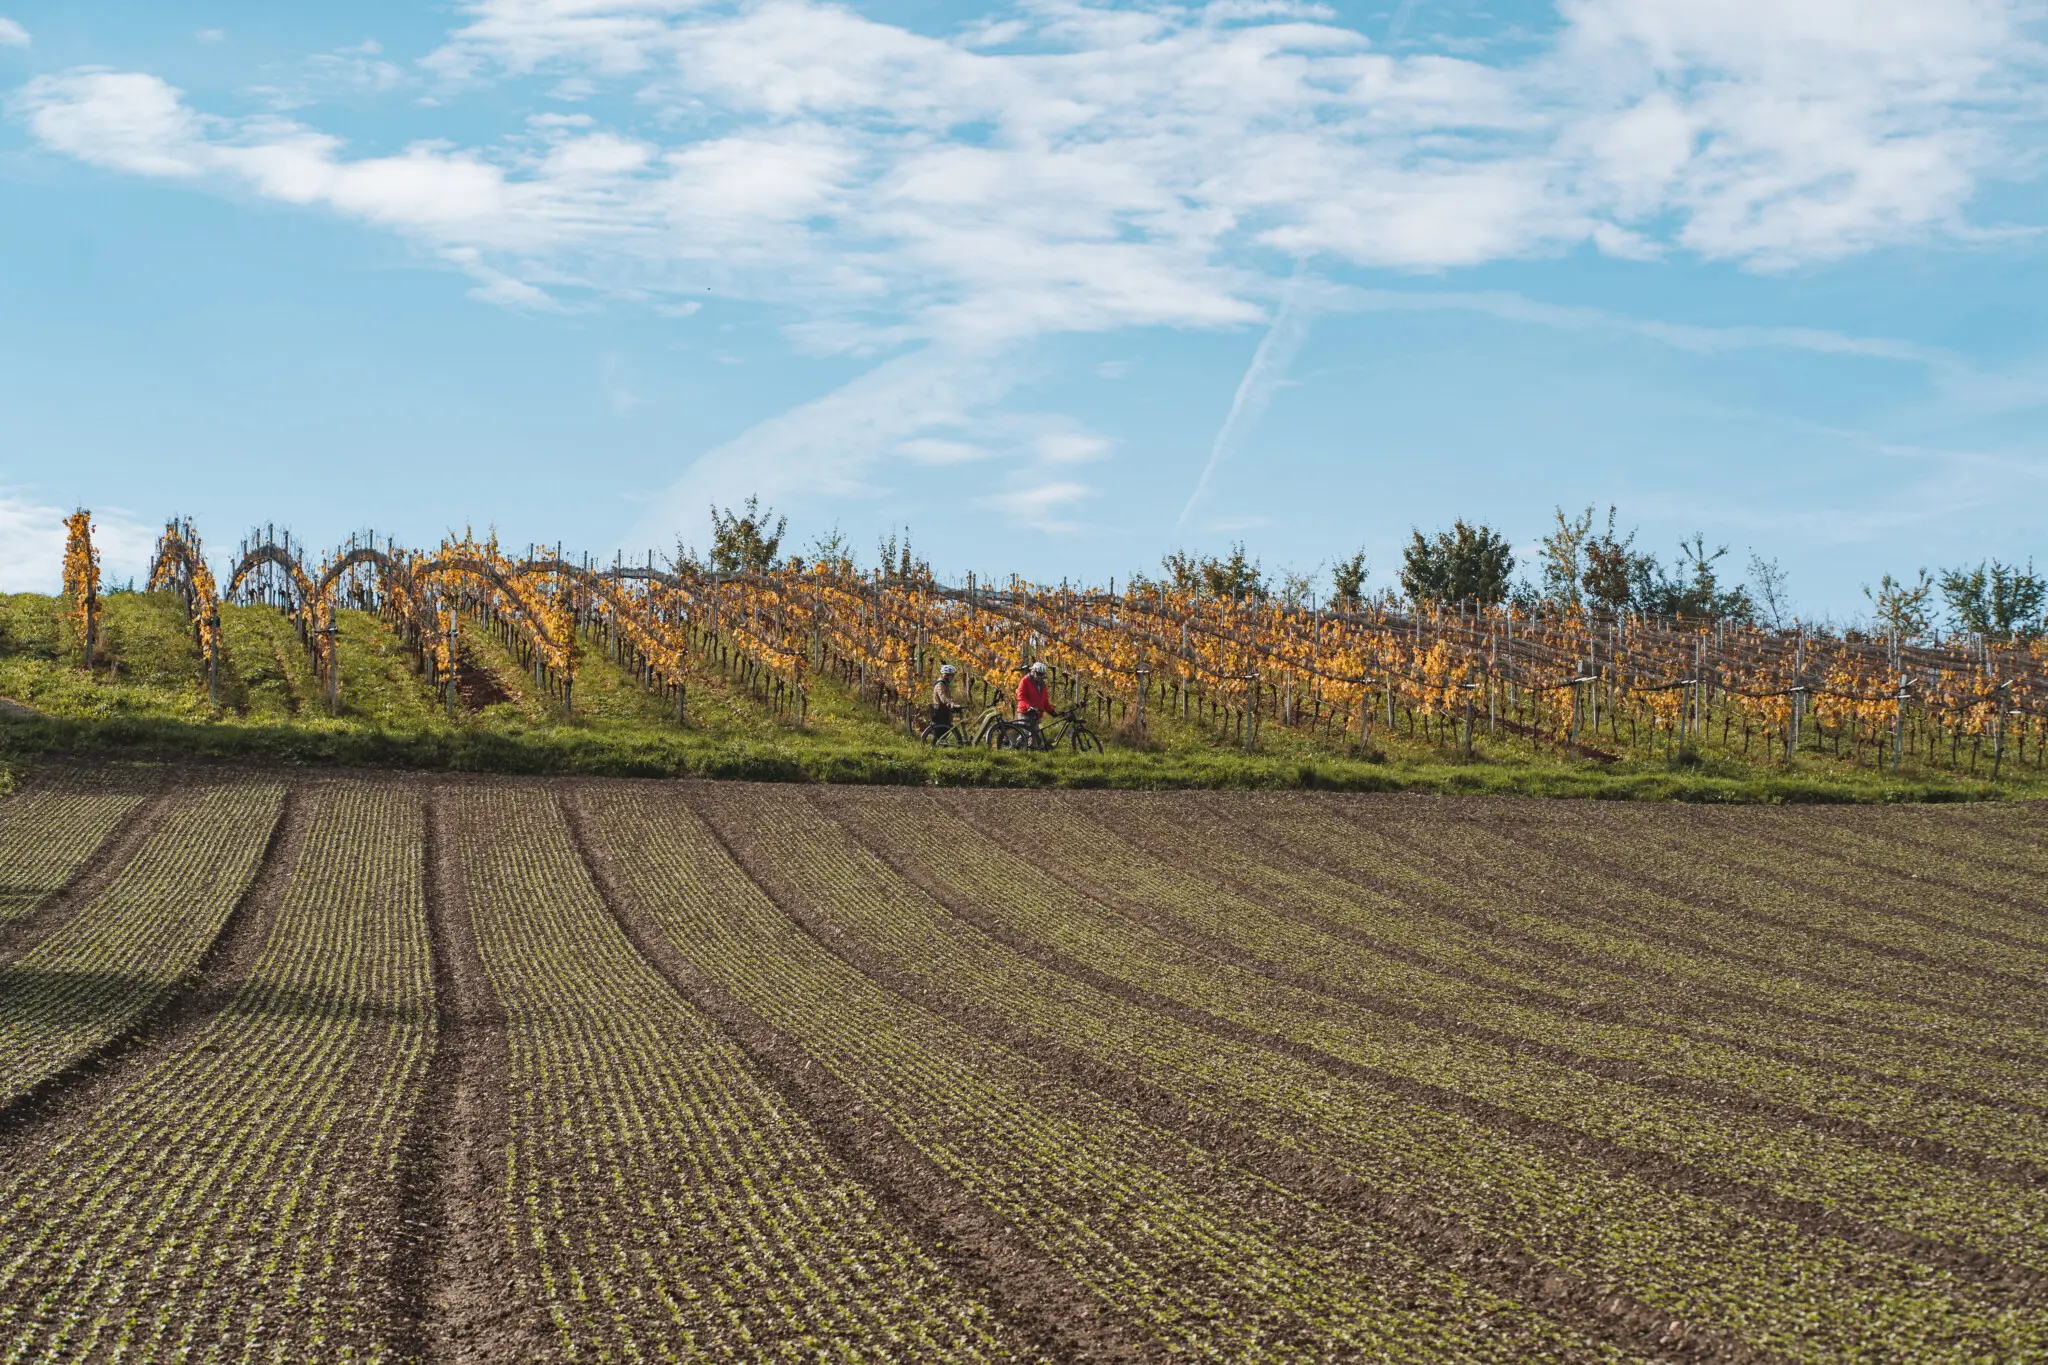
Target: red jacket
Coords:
[[1031, 695]]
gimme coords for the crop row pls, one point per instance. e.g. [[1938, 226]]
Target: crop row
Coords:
[[1765, 914], [1746, 1277], [92, 977], [241, 1187], [1187, 1246], [1459, 921], [661, 1200], [1906, 892], [2004, 839], [1731, 1143], [1270, 927], [45, 836], [1982, 1048], [1562, 906]]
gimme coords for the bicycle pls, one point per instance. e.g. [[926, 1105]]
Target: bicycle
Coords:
[[1059, 728], [953, 735]]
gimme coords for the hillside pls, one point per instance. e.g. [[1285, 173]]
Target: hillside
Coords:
[[149, 693]]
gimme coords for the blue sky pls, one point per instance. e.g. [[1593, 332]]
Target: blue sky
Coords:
[[1058, 286]]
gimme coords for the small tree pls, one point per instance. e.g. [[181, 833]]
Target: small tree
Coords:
[[898, 560], [743, 542], [1239, 577], [833, 551], [1772, 601], [1696, 591], [1297, 588], [1563, 558], [1995, 600], [1465, 563], [1347, 582], [1614, 569], [1901, 609]]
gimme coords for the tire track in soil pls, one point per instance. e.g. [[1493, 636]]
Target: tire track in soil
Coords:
[[1105, 815], [449, 1271], [35, 1116], [90, 877], [1040, 1301], [1672, 1173], [1683, 987], [1604, 1312], [1925, 1149]]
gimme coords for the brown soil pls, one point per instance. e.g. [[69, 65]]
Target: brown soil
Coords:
[[450, 1269], [445, 1296], [477, 688], [1049, 1309], [1669, 1172]]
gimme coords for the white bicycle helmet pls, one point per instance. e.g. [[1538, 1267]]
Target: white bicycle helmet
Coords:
[[946, 670], [1039, 669]]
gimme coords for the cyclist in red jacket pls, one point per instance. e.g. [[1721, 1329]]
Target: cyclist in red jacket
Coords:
[[1032, 701]]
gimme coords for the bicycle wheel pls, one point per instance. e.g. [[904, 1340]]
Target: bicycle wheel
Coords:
[[1084, 741]]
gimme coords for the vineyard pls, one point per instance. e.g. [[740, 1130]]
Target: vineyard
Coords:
[[450, 1069], [1147, 666]]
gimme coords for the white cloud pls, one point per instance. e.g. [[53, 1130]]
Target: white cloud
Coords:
[[1067, 167], [1125, 168], [931, 451], [211, 35], [1070, 447], [32, 545], [1041, 506], [12, 34]]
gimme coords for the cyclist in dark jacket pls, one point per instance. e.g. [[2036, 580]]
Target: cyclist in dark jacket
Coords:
[[943, 705]]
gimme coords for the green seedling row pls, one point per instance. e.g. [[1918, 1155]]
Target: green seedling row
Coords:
[[93, 977], [1763, 1281], [1759, 913], [660, 1200], [242, 1187], [1883, 1187], [1313, 954], [1210, 1260], [1816, 887], [47, 834], [1425, 929], [1518, 892]]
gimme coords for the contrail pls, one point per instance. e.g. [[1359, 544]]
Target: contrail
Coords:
[[1269, 366], [1400, 24]]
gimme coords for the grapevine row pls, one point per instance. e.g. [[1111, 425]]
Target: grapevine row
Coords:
[[1566, 678]]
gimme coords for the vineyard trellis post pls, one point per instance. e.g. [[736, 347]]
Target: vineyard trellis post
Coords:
[[332, 657], [1998, 698], [1899, 724], [213, 655]]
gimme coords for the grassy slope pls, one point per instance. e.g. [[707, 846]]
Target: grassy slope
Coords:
[[147, 692]]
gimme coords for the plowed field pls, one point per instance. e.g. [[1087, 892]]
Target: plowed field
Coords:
[[389, 1068]]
